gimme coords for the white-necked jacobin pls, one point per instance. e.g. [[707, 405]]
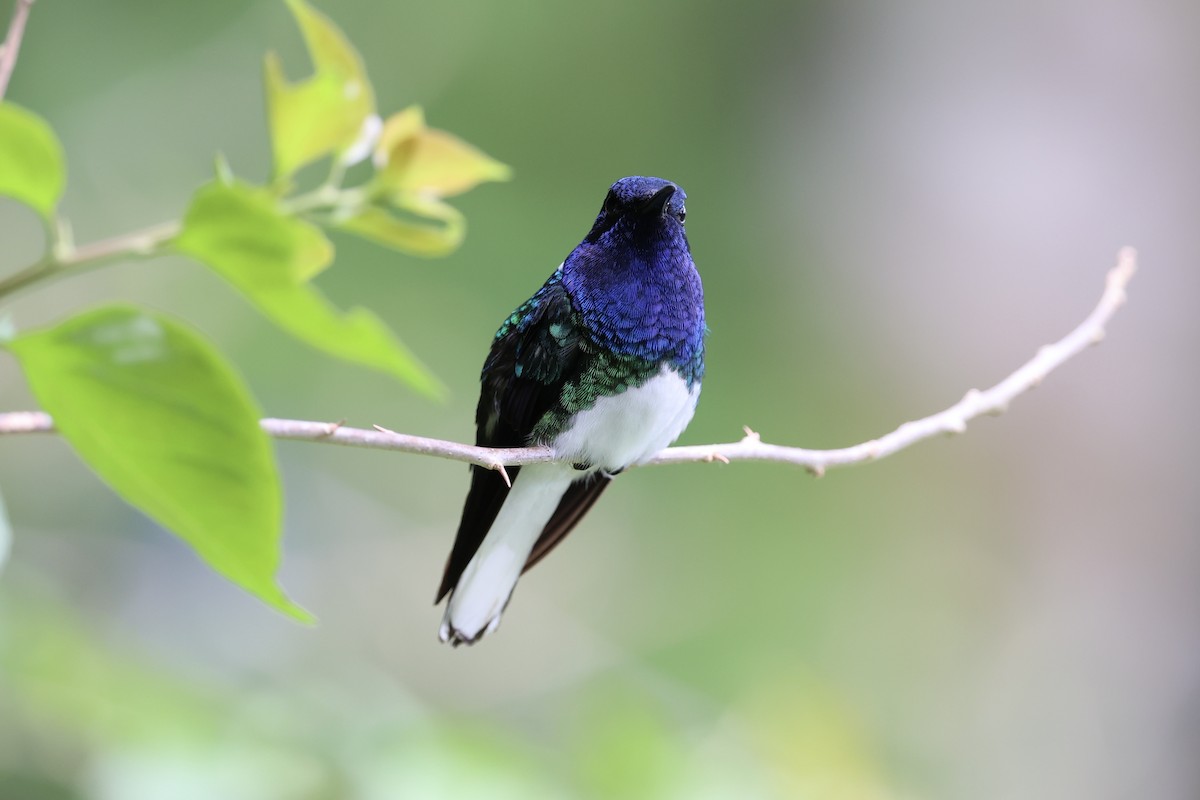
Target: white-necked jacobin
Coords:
[[603, 364]]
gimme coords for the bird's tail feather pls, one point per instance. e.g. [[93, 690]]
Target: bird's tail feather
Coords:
[[487, 582]]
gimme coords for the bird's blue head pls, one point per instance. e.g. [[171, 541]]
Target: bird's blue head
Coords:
[[632, 278], [636, 207]]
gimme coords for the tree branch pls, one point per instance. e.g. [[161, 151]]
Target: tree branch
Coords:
[[12, 43], [750, 448]]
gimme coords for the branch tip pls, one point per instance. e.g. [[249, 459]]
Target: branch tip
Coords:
[[333, 427], [1126, 264], [751, 434], [816, 470]]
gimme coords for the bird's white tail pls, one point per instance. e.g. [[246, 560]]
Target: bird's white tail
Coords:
[[486, 584]]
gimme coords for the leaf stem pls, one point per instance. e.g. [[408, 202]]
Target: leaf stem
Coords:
[[327, 197]]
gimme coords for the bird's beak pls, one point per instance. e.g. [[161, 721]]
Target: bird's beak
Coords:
[[660, 199]]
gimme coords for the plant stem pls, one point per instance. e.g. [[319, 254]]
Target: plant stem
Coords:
[[12, 43], [63, 257], [139, 244], [327, 197]]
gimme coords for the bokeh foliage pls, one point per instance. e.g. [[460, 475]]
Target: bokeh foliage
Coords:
[[888, 204], [145, 401]]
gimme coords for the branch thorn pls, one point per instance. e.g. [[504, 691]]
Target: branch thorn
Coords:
[[499, 467]]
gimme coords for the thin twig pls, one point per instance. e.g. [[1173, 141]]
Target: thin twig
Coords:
[[750, 447], [12, 43], [139, 244]]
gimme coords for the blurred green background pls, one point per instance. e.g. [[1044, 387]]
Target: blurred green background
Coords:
[[889, 204]]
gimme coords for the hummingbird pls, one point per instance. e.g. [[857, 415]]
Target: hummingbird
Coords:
[[603, 365]]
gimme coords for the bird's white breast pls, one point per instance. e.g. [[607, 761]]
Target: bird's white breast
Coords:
[[621, 430]]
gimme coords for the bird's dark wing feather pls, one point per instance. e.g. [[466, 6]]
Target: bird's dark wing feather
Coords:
[[535, 352], [574, 504]]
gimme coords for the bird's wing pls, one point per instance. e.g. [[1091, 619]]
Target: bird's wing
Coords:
[[534, 353], [574, 504]]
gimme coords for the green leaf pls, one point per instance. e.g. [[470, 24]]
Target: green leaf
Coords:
[[357, 336], [157, 413], [324, 113], [243, 228], [414, 159], [32, 168], [414, 235], [242, 234]]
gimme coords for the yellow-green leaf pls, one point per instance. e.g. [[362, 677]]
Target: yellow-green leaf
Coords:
[[435, 229], [242, 235], [258, 244], [156, 412], [328, 47], [415, 159], [356, 335], [32, 168], [324, 113], [399, 128]]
